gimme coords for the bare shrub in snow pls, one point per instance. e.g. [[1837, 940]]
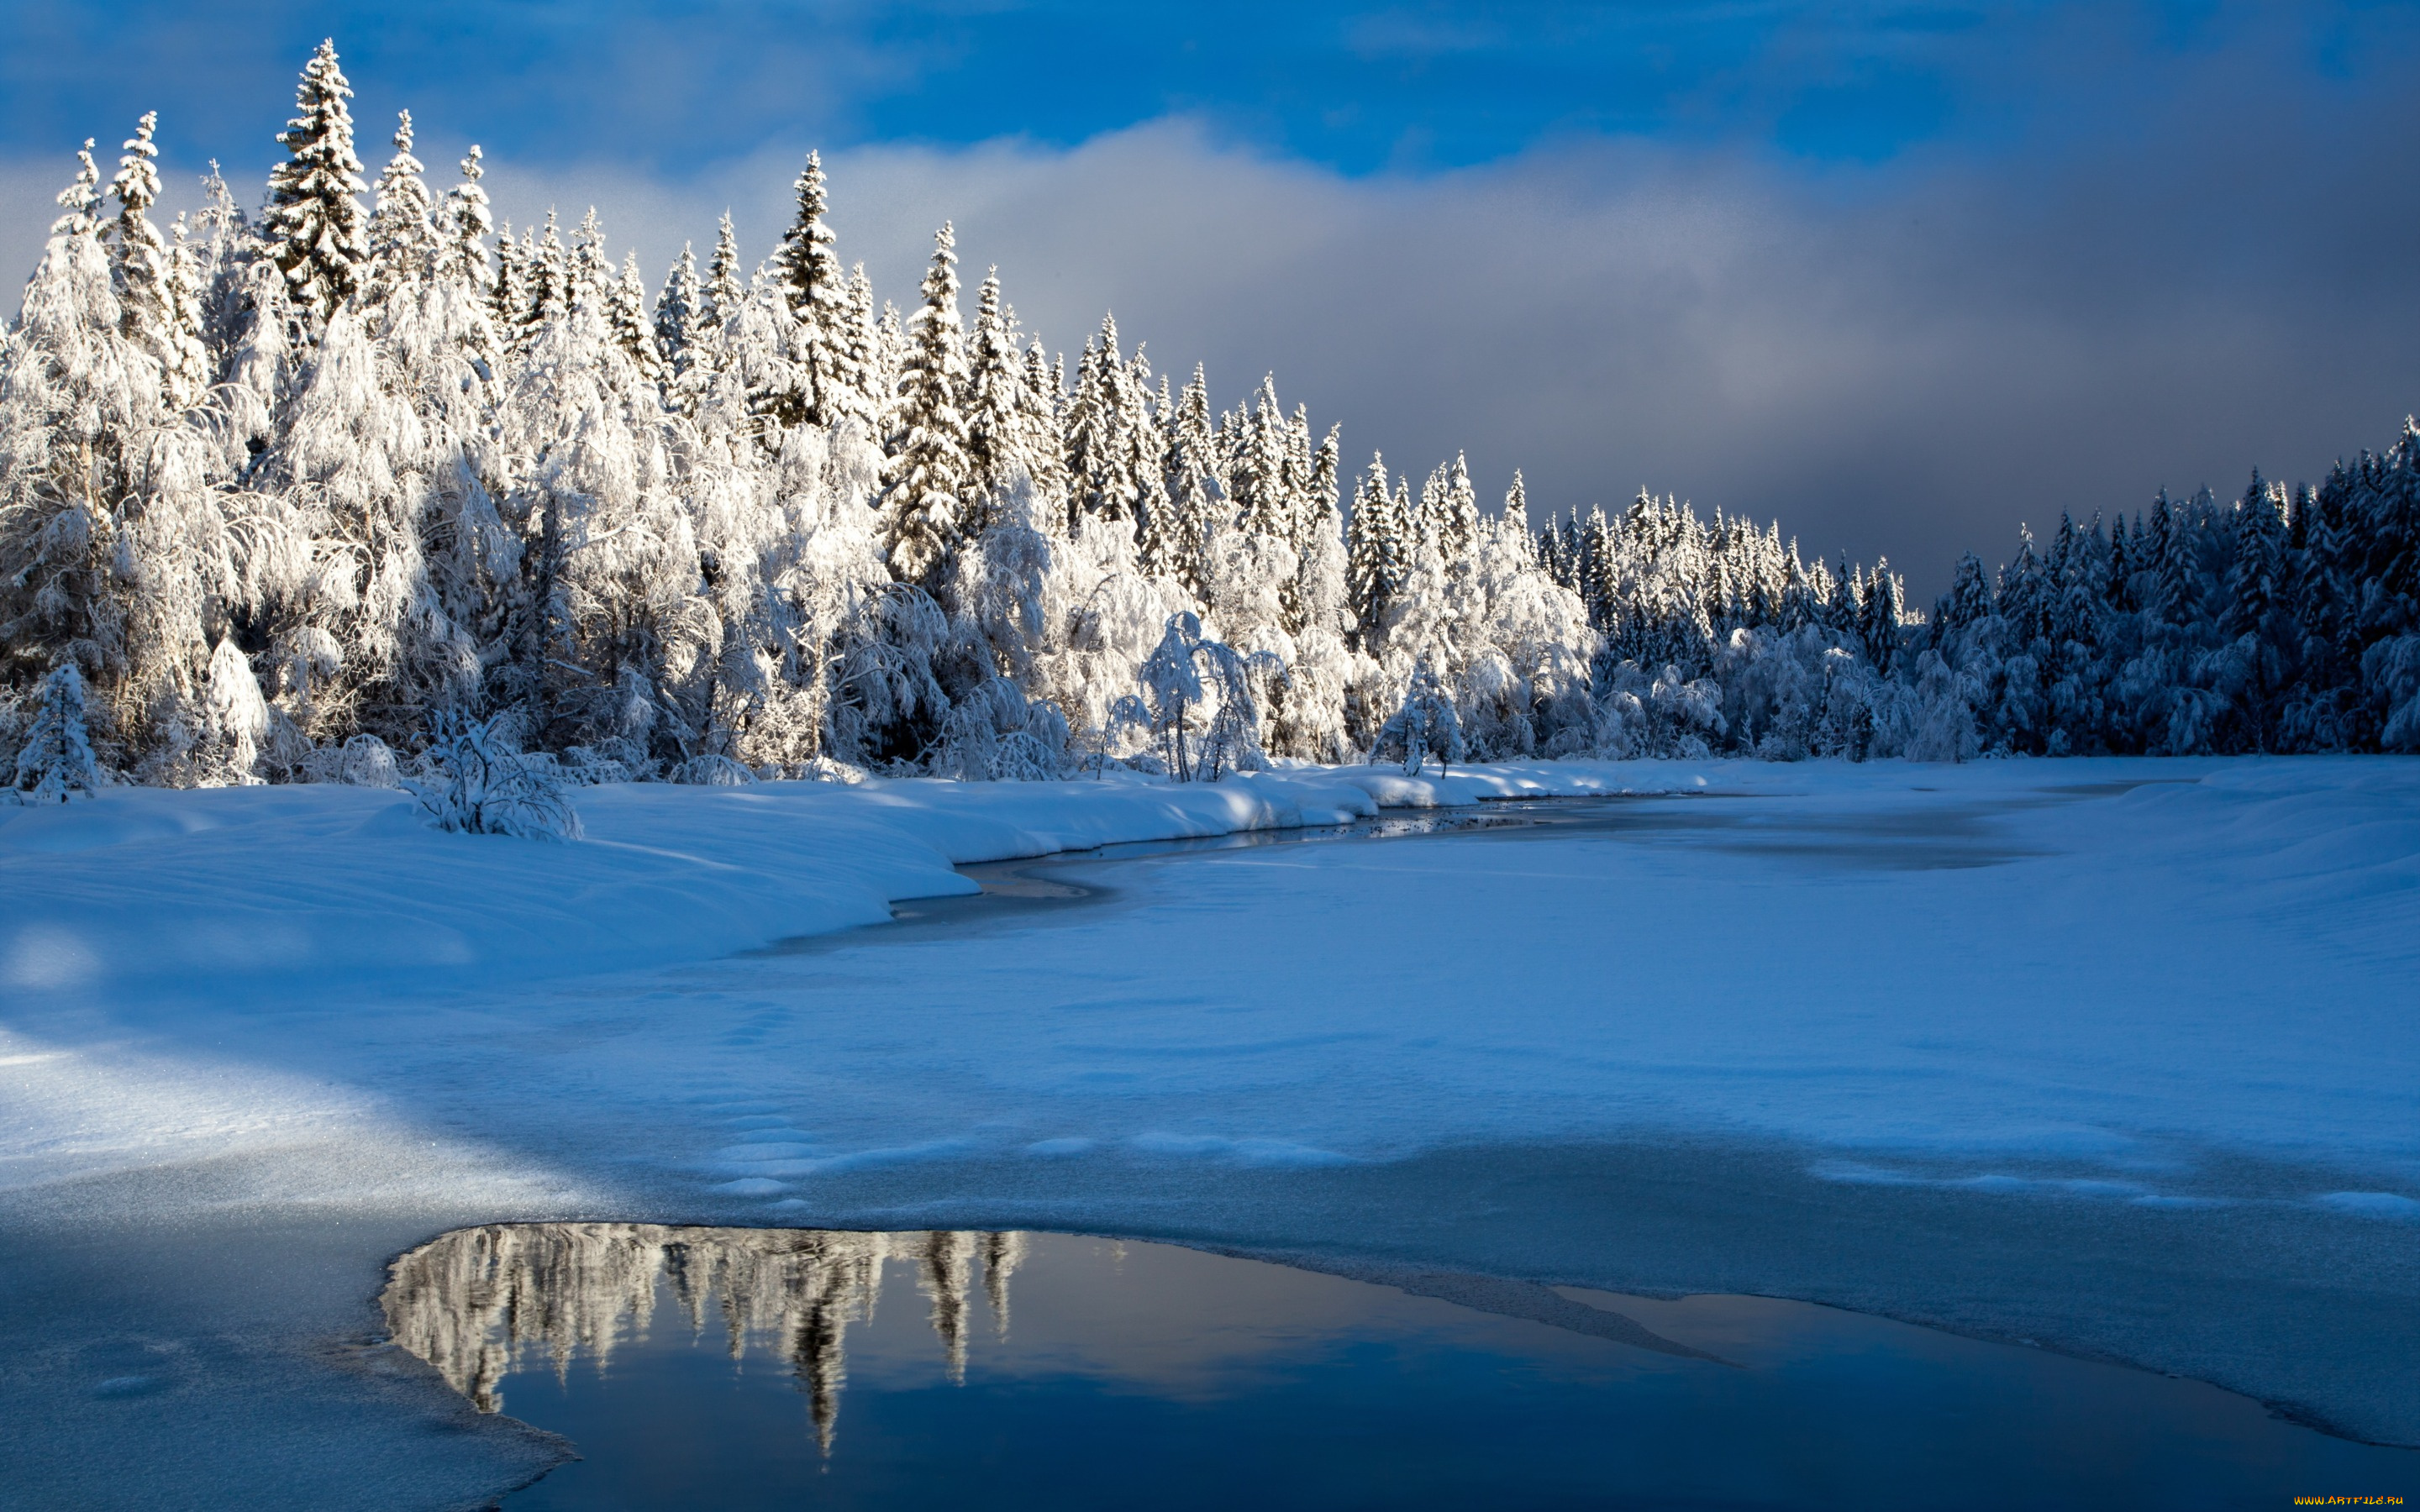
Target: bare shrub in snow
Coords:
[[709, 770], [1194, 699], [2391, 670], [825, 769], [995, 732], [363, 762], [1425, 727], [1640, 712], [581, 767], [478, 784], [1945, 715]]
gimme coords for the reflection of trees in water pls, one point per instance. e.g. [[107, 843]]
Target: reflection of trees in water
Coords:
[[945, 1260], [1002, 1254], [475, 1303]]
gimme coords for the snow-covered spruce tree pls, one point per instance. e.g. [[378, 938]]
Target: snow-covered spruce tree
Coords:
[[313, 224], [591, 282], [1434, 607], [1043, 401], [508, 292], [725, 287], [466, 222], [549, 293], [1375, 567], [2069, 637], [625, 315], [113, 555], [1013, 575], [1318, 540], [2374, 506], [822, 388], [2249, 667], [81, 199], [616, 647], [1272, 572], [1456, 523], [1101, 449], [2317, 713], [159, 297], [1881, 607], [1258, 484], [886, 366], [1525, 644], [54, 760], [791, 559], [364, 643], [1248, 580], [220, 242], [139, 258], [403, 239], [999, 443], [930, 486], [1142, 432], [1175, 539], [1310, 714], [443, 359], [677, 317], [2176, 713], [185, 358], [1963, 634], [826, 572], [740, 369]]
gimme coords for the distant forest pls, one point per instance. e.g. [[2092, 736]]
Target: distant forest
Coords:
[[293, 494]]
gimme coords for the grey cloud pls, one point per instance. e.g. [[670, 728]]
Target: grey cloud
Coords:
[[26, 215], [1907, 362]]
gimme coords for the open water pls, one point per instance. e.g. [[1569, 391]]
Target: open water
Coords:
[[745, 1368]]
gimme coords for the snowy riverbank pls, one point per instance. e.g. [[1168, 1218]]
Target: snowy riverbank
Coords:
[[2117, 1055], [187, 891]]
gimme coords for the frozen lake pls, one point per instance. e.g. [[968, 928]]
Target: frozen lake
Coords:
[[2113, 1056]]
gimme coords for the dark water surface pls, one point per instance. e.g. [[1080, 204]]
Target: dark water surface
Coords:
[[741, 1368], [1948, 837]]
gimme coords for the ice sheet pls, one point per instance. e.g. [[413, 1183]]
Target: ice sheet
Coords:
[[2159, 1010]]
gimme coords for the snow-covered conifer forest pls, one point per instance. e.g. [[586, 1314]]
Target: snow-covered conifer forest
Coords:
[[306, 492]]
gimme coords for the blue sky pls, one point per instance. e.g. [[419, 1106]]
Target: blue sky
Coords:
[[1904, 275], [1359, 89]]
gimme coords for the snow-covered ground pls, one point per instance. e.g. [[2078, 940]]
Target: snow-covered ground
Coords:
[[2119, 1056]]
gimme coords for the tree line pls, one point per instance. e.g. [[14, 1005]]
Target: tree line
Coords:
[[296, 495]]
